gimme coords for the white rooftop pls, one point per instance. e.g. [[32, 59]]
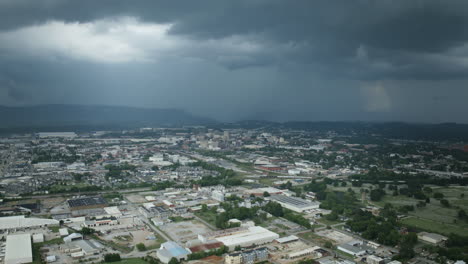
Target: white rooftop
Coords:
[[18, 249], [254, 233], [12, 222], [113, 210]]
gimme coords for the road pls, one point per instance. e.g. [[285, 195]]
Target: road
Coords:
[[147, 221]]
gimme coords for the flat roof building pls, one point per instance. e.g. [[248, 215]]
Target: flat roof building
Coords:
[[243, 237], [56, 134], [293, 203], [18, 249], [86, 203], [20, 221], [352, 249], [432, 238]]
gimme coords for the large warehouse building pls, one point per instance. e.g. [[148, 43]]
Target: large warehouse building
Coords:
[[243, 236], [293, 203], [18, 249], [18, 222], [86, 203]]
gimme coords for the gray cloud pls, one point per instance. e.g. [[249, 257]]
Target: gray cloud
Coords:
[[276, 59]]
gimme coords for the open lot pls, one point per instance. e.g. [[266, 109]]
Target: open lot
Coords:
[[129, 261], [131, 238], [336, 236], [314, 238], [185, 230], [433, 226], [136, 198], [435, 217]]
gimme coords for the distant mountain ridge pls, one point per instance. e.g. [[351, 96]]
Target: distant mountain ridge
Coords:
[[94, 115]]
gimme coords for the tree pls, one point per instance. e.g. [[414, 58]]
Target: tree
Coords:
[[438, 195], [173, 261], [445, 202], [204, 208], [238, 248], [328, 244], [376, 195], [427, 189], [112, 257], [462, 214], [266, 194], [87, 231], [141, 247]]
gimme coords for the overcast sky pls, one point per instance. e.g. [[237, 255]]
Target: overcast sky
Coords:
[[385, 60]]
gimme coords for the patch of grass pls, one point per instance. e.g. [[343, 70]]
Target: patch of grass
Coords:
[[54, 229], [178, 219], [434, 212], [328, 222], [283, 227], [311, 236], [208, 216], [157, 243], [129, 261], [433, 226], [112, 244]]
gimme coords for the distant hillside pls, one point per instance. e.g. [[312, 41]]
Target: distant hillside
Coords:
[[98, 116]]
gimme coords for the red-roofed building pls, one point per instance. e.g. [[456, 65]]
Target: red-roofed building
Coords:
[[206, 247]]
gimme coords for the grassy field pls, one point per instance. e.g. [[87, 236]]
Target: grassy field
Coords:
[[208, 216], [311, 236], [130, 261], [433, 226], [54, 229], [435, 217], [328, 222]]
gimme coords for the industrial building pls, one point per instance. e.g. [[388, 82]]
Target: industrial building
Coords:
[[18, 249], [20, 221], [56, 135], [431, 238], [243, 236], [101, 221], [38, 238], [293, 203], [169, 250], [355, 248], [311, 252], [372, 259], [86, 203], [287, 239]]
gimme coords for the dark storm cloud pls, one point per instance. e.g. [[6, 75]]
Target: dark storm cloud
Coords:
[[273, 59], [325, 35]]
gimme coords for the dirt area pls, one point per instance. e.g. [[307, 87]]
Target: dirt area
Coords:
[[185, 231], [136, 198], [132, 237], [53, 201], [336, 236]]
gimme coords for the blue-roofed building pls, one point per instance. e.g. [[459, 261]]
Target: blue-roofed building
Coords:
[[171, 249]]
